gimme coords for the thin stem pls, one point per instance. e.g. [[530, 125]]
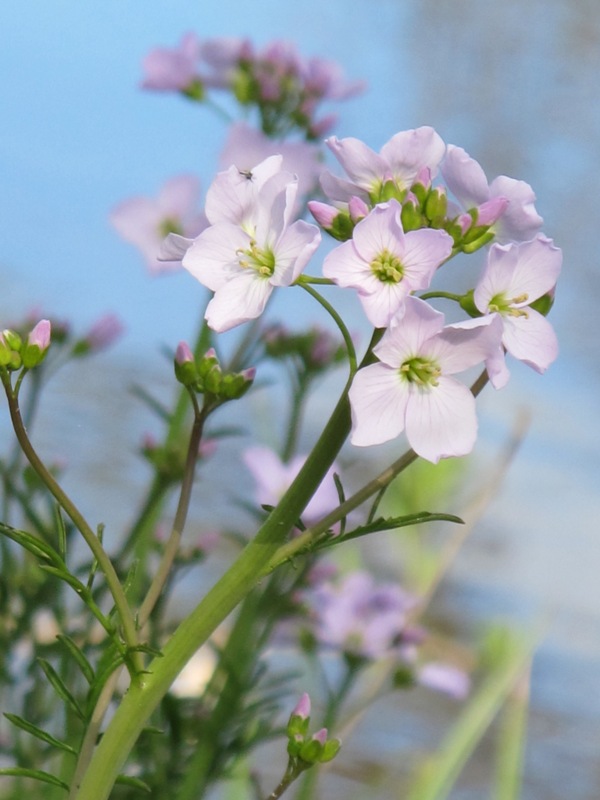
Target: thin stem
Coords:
[[172, 546], [305, 279], [440, 294], [339, 322], [112, 579]]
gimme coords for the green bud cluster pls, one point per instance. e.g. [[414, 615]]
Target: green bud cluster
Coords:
[[305, 751], [205, 376], [315, 351], [17, 352]]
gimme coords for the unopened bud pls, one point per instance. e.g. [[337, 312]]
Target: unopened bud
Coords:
[[186, 371], [37, 344]]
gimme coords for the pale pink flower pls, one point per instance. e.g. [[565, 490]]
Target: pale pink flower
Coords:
[[407, 157], [146, 221], [273, 478], [172, 69], [103, 333], [444, 678], [385, 264], [507, 204], [516, 276], [411, 389], [242, 261]]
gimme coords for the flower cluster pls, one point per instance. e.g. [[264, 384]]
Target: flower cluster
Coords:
[[285, 88], [398, 228]]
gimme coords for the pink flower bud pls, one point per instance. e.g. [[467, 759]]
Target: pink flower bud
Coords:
[[358, 209], [40, 335], [302, 708], [323, 213], [320, 736], [183, 354], [491, 211]]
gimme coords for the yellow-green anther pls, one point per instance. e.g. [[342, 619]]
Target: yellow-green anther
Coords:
[[422, 371], [262, 261], [387, 267]]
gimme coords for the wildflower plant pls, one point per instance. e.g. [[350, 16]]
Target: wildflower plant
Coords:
[[109, 655]]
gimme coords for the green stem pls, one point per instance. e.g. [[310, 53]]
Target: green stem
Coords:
[[341, 325], [145, 695], [112, 579], [172, 546]]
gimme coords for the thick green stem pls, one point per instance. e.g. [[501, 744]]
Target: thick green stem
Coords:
[[143, 697]]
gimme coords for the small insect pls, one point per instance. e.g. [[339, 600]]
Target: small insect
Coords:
[[246, 173]]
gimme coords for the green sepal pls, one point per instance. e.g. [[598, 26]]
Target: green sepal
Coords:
[[311, 751], [467, 303], [543, 304], [484, 238], [341, 227], [195, 91], [330, 750]]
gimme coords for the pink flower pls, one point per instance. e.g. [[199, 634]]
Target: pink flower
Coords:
[[384, 263], [172, 69], [515, 277], [39, 336], [505, 203], [273, 478], [146, 221], [410, 388], [243, 260], [407, 157]]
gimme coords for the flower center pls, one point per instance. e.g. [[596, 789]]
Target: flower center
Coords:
[[503, 305], [422, 371], [170, 225], [387, 267], [261, 261]]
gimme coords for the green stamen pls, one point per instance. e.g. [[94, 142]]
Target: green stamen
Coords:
[[502, 305], [387, 267], [261, 261], [422, 371]]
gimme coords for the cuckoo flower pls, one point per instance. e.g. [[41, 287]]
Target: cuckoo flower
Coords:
[[250, 249], [145, 221], [375, 177], [506, 204], [515, 277], [273, 478], [411, 388], [385, 264]]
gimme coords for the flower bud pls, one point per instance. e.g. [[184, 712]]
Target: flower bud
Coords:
[[186, 371], [37, 344], [298, 722], [436, 205]]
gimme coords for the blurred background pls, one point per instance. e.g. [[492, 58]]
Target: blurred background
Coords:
[[516, 84]]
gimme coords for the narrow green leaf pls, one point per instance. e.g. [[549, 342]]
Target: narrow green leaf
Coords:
[[436, 777], [62, 532], [36, 774], [36, 546], [60, 688], [136, 783], [391, 523], [38, 732], [82, 662]]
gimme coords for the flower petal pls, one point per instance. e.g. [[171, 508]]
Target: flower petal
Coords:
[[378, 397], [239, 300]]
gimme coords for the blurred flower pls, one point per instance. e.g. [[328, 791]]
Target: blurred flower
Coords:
[[273, 478], [172, 69], [146, 221]]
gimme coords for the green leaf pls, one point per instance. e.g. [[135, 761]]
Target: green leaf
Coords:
[[39, 733], [510, 748], [62, 532], [390, 523], [136, 783], [437, 775], [36, 546], [36, 774], [60, 688], [82, 662]]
